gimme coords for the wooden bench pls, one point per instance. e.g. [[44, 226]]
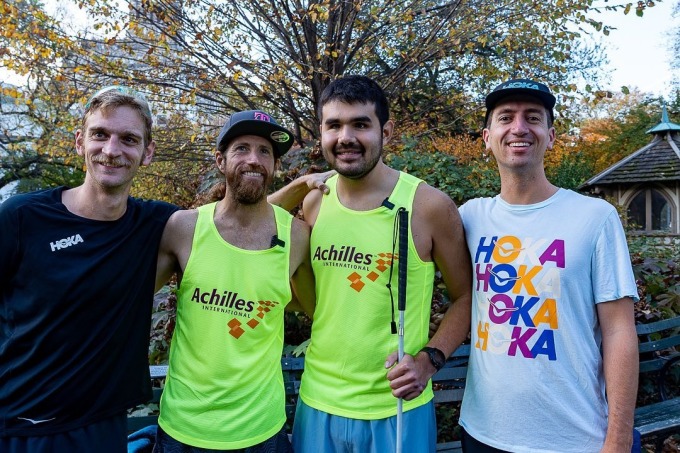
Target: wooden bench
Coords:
[[659, 359], [449, 386], [658, 356], [448, 383]]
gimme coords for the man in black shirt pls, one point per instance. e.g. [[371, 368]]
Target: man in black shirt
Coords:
[[77, 269]]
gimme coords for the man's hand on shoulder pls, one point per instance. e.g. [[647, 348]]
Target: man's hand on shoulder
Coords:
[[318, 181], [293, 193]]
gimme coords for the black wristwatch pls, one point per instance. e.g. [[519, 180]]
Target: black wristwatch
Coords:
[[437, 357]]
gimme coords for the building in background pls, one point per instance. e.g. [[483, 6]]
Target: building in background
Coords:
[[647, 182]]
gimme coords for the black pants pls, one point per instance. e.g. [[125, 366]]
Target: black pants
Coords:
[[278, 443], [472, 445], [105, 436]]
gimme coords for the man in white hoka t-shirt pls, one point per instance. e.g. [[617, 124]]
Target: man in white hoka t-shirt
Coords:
[[554, 360]]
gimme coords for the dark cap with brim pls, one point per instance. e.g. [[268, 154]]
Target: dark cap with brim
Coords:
[[517, 87], [255, 122]]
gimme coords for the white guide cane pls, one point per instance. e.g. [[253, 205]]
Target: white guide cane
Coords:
[[401, 303]]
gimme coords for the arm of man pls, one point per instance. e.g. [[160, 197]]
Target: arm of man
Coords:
[[436, 220], [302, 278], [311, 206], [621, 367], [293, 193], [175, 246]]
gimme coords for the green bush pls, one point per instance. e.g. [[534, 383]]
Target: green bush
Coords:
[[443, 172], [657, 272]]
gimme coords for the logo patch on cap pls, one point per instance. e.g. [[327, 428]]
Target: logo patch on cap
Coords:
[[279, 137], [529, 85], [262, 117]]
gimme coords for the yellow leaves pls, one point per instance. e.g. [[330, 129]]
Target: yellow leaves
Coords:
[[329, 53], [318, 12], [11, 92], [44, 53]]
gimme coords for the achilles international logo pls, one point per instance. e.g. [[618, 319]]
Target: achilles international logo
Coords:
[[236, 327], [345, 256], [364, 266], [230, 302], [66, 242], [383, 263]]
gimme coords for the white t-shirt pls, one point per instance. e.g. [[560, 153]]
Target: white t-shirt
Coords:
[[535, 381]]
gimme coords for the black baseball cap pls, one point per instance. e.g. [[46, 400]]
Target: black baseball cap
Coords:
[[255, 122], [516, 87]]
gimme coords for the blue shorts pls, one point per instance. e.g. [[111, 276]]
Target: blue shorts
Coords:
[[105, 436], [316, 431]]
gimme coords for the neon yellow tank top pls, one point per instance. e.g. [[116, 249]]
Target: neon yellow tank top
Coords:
[[225, 386], [351, 336]]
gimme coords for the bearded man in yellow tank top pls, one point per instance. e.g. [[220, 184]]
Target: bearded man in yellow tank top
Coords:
[[237, 259]]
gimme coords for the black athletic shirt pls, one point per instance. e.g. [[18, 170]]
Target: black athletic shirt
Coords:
[[75, 307]]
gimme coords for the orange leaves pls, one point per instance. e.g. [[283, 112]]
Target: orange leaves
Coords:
[[465, 148], [10, 91], [560, 150]]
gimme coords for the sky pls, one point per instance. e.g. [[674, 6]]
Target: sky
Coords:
[[639, 49]]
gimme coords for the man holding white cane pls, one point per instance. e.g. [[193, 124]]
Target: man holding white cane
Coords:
[[347, 400]]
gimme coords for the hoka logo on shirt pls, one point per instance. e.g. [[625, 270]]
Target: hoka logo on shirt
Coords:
[[66, 242], [363, 264], [519, 280]]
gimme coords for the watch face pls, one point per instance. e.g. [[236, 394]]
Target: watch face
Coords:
[[436, 357], [438, 361]]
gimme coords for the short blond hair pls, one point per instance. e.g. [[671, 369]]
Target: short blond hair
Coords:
[[115, 96]]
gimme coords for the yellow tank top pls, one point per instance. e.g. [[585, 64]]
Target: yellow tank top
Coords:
[[225, 386], [351, 336]]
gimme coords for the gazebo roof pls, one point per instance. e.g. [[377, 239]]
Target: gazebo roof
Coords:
[[658, 161], [665, 125]]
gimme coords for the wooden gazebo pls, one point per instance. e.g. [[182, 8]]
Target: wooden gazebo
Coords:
[[647, 182]]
